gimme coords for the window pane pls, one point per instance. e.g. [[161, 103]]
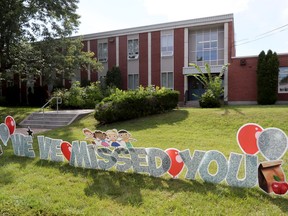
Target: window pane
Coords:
[[207, 36], [207, 45], [200, 56], [214, 35], [283, 80], [214, 55], [136, 81], [130, 81], [206, 55], [170, 80], [214, 45], [163, 79]]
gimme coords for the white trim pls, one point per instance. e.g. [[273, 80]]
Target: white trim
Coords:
[[226, 48], [161, 27], [117, 51], [149, 60], [186, 56], [192, 70]]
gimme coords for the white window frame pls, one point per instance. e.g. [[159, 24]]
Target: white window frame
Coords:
[[167, 84], [102, 52], [283, 71], [167, 44], [135, 82], [133, 48], [207, 45]]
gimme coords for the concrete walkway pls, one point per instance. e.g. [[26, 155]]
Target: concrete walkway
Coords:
[[24, 130]]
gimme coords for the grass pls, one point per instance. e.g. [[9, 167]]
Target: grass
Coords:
[[34, 186]]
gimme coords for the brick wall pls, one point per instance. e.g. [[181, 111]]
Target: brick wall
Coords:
[[179, 62], [143, 59]]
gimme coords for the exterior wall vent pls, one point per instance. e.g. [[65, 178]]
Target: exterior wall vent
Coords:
[[242, 62]]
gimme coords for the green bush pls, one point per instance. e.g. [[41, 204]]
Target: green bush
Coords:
[[208, 100], [267, 78], [124, 105], [78, 97]]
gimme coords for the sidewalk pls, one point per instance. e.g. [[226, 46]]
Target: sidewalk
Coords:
[[35, 130]]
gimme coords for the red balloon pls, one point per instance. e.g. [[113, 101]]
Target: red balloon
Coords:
[[247, 136], [177, 163], [66, 149], [11, 124]]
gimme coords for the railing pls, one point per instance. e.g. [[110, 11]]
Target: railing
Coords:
[[58, 101]]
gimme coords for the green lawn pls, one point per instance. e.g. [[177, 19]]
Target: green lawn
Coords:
[[34, 186]]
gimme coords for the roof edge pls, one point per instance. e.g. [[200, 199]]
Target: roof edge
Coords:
[[158, 27]]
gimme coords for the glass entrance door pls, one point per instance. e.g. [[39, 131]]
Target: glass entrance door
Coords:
[[195, 88]]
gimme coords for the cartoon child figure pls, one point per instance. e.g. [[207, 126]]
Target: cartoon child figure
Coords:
[[126, 137], [112, 136], [89, 135], [100, 137]]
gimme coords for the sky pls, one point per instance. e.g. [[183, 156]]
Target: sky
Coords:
[[258, 24]]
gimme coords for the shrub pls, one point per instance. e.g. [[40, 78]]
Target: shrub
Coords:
[[113, 77], [208, 100], [213, 85], [124, 105], [78, 97]]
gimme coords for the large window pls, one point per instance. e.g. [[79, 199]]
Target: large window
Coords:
[[167, 44], [102, 52], [283, 80], [133, 49], [133, 81], [208, 46], [167, 80]]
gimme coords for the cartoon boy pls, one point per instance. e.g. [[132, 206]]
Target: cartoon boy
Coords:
[[112, 136], [126, 137]]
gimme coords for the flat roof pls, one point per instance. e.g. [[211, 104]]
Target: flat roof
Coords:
[[159, 27]]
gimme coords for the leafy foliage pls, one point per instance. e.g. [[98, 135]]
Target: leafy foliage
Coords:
[[78, 97], [24, 20], [213, 85], [267, 77], [124, 105], [208, 100], [113, 77]]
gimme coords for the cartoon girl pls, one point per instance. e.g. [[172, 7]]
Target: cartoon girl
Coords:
[[112, 136], [126, 137], [100, 137], [89, 135]]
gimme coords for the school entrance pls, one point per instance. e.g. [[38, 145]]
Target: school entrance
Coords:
[[195, 88]]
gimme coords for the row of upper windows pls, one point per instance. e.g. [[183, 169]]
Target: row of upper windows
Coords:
[[205, 46], [133, 48]]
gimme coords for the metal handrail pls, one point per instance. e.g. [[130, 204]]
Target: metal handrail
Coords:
[[58, 101]]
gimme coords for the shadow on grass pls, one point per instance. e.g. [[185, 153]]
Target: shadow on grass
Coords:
[[74, 131], [127, 188], [227, 110], [148, 122]]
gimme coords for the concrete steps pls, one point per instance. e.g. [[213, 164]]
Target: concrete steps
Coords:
[[53, 119], [194, 103]]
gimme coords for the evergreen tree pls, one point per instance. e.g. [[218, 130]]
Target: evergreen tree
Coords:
[[267, 77], [113, 77]]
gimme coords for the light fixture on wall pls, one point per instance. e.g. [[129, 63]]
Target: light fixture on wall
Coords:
[[242, 62]]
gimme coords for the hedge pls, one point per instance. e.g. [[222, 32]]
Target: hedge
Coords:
[[124, 105]]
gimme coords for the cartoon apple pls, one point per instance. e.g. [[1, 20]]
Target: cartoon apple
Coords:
[[279, 187]]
